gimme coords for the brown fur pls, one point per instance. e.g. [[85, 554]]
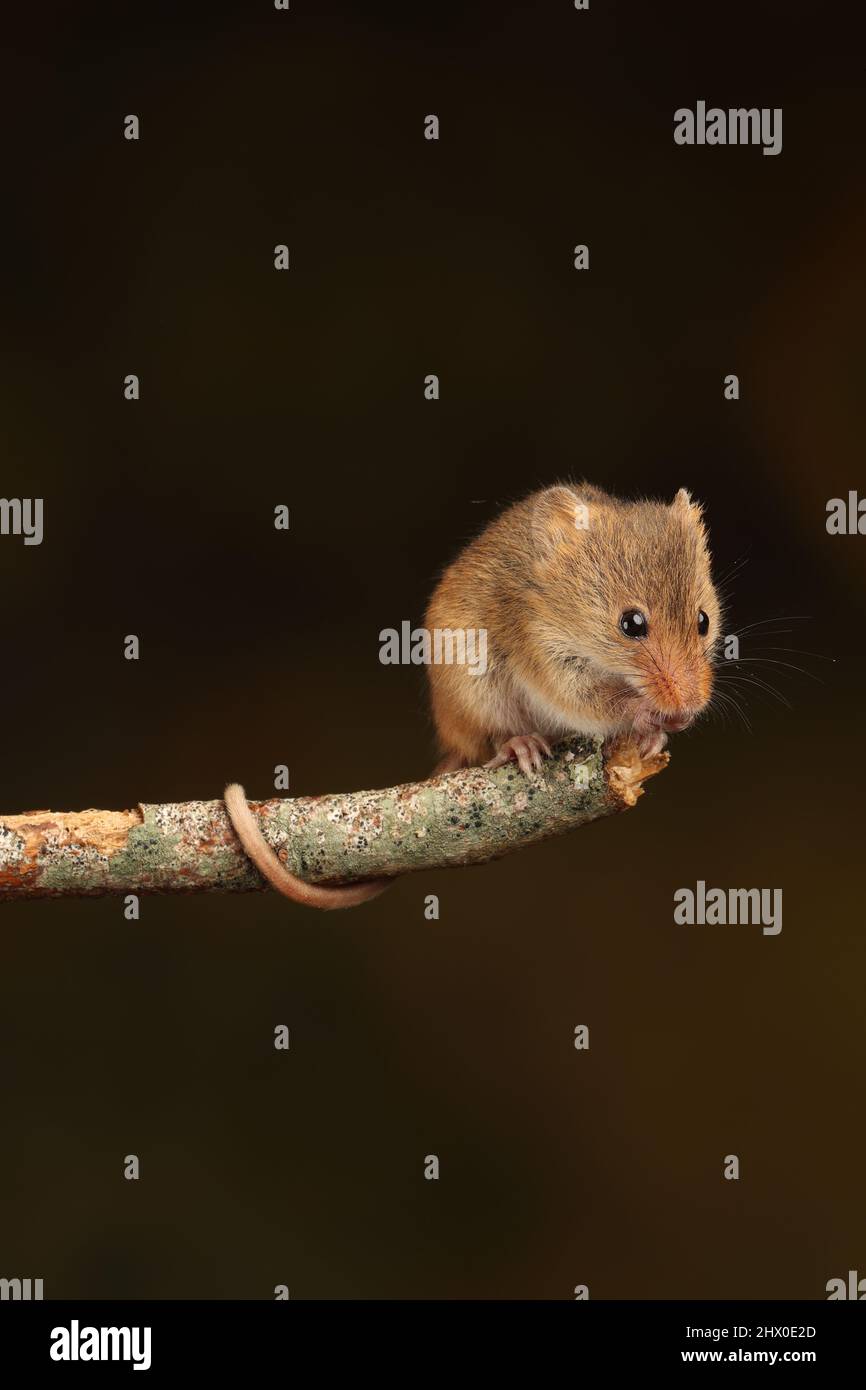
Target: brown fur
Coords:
[[547, 591], [550, 597]]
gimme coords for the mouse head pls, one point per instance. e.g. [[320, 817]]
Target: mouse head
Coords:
[[624, 589]]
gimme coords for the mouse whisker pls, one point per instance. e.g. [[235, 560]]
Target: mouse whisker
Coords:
[[771, 661], [723, 701], [799, 651], [764, 622], [762, 685]]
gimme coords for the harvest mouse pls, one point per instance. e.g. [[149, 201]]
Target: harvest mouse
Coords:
[[601, 618]]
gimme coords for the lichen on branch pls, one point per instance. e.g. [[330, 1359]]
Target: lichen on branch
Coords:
[[464, 817]]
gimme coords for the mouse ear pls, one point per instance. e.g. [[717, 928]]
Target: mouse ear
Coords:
[[560, 514], [684, 502]]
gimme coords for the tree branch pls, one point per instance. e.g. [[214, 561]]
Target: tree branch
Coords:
[[463, 817]]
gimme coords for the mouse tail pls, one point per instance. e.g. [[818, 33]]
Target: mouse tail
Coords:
[[278, 876]]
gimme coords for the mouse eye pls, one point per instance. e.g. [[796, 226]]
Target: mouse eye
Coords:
[[633, 623], [703, 623]]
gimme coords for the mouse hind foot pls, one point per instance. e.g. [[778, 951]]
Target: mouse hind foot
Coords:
[[527, 750]]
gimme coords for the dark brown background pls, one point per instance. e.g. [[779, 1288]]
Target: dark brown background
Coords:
[[258, 648]]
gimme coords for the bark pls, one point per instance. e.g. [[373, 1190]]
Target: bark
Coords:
[[463, 817]]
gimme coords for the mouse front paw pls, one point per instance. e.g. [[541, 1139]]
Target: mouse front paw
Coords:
[[651, 743], [646, 744], [527, 750]]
